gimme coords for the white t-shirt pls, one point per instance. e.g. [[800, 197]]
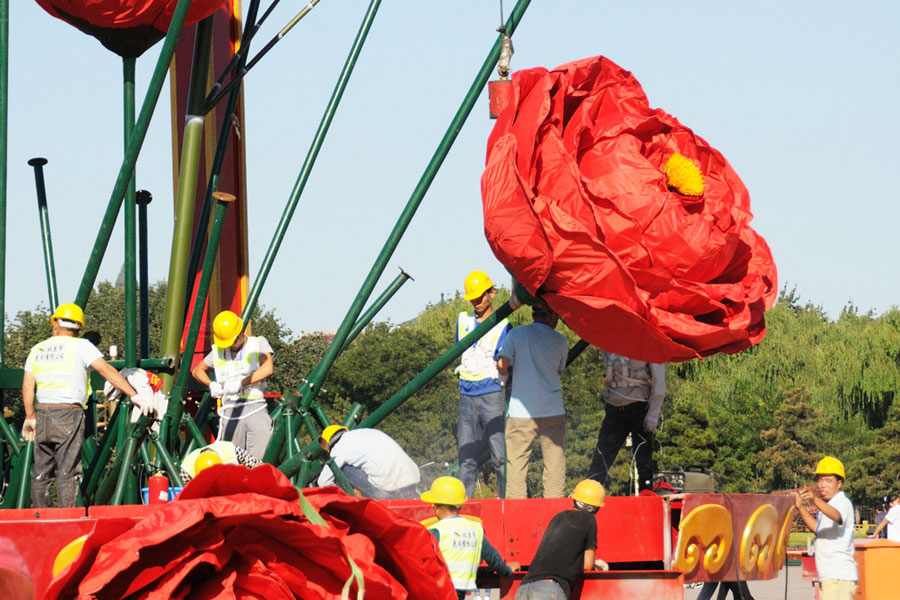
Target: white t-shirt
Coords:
[[834, 542], [381, 458], [53, 349], [893, 526]]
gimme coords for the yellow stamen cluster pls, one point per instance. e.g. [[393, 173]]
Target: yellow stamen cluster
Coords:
[[683, 175]]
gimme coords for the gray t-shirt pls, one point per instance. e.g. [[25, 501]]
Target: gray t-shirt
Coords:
[[537, 354]]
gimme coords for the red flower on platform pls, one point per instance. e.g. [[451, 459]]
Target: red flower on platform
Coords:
[[630, 226], [240, 533]]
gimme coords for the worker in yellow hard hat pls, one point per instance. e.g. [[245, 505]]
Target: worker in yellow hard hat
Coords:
[[833, 526], [461, 539], [217, 453], [482, 404], [568, 547], [242, 364], [374, 464], [58, 368]]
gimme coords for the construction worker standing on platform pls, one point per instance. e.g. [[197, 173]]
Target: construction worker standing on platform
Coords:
[[833, 526], [58, 366], [634, 394], [242, 364], [461, 538], [481, 399]]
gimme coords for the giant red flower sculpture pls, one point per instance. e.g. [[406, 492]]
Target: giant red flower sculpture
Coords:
[[630, 226], [240, 533], [128, 27]]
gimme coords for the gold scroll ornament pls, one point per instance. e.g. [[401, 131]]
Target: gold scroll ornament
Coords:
[[708, 532]]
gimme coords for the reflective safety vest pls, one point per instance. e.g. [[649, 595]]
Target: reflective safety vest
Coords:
[[478, 359], [242, 363], [224, 449], [60, 380], [629, 381], [460, 544]]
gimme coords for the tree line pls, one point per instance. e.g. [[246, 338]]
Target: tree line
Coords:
[[758, 420]]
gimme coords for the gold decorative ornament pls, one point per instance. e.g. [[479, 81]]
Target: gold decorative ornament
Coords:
[[758, 540], [783, 535], [706, 532]]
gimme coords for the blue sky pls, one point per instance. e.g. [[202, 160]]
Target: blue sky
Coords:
[[799, 96]]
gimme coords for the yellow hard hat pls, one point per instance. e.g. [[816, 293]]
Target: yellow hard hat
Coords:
[[206, 459], [830, 466], [69, 312], [590, 492], [477, 283], [68, 554], [446, 490], [329, 432], [227, 327]]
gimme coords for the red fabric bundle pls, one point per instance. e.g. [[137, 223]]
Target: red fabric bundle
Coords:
[[128, 27], [578, 207], [240, 533]]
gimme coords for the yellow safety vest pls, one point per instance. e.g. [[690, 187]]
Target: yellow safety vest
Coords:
[[241, 364], [460, 543], [478, 359], [53, 364], [224, 449]]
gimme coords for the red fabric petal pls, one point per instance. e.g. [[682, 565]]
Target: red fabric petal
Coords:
[[577, 207], [240, 533]]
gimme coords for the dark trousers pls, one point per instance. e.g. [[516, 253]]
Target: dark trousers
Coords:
[[739, 590], [59, 432], [618, 422]]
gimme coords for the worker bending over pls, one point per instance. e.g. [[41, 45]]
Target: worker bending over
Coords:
[[461, 538], [568, 548], [58, 366], [374, 464], [242, 364]]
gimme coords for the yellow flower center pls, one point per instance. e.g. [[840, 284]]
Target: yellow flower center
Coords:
[[683, 175]]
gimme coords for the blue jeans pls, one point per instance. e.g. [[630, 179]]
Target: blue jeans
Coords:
[[545, 589], [479, 431]]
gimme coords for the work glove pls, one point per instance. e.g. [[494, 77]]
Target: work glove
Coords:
[[144, 402], [233, 388], [600, 564], [650, 422], [216, 390], [28, 429]]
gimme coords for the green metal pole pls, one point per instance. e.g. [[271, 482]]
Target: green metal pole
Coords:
[[23, 498], [314, 381], [38, 164], [379, 303], [4, 122], [9, 434], [310, 160], [169, 464], [222, 145], [198, 423], [124, 458], [131, 154], [175, 407], [131, 355], [153, 364], [575, 351], [196, 434], [143, 198], [173, 322], [92, 475]]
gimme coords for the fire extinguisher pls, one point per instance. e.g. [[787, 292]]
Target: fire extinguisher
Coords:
[[159, 490]]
